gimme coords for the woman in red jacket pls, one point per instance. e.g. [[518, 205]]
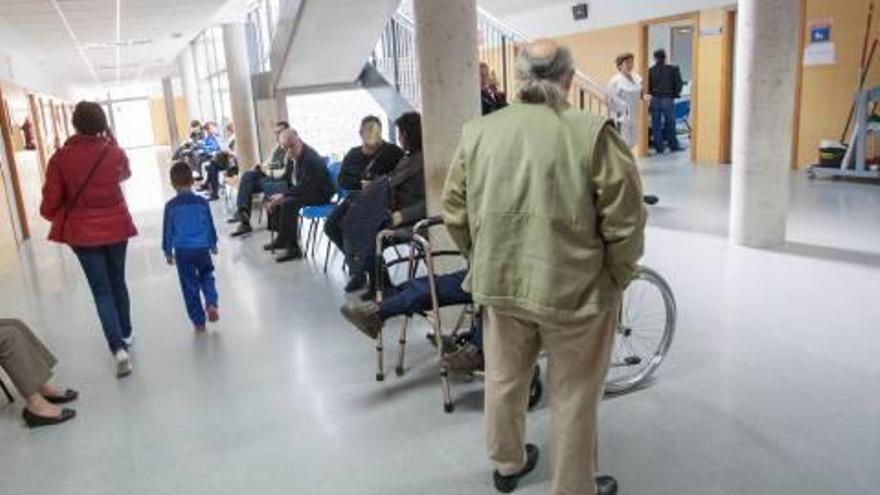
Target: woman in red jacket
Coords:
[[83, 199]]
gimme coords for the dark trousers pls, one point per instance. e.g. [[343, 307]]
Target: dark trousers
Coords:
[[255, 182], [213, 179], [196, 271], [333, 224], [104, 267], [663, 123], [414, 296], [286, 219]]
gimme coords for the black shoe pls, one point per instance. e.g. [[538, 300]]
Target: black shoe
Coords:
[[507, 484], [34, 421], [676, 149], [606, 485], [356, 283], [68, 395], [272, 246], [233, 219], [243, 229], [213, 197], [290, 255], [650, 199]]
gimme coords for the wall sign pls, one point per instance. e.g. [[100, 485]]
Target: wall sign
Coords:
[[820, 49]]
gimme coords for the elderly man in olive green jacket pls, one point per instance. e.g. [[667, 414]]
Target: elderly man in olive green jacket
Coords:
[[546, 203]]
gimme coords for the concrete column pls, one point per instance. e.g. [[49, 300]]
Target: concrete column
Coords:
[[766, 63], [241, 94], [189, 80], [446, 36], [170, 113]]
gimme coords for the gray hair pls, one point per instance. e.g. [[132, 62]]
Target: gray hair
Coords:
[[541, 70]]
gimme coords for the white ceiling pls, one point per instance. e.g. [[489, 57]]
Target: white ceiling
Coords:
[[56, 35]]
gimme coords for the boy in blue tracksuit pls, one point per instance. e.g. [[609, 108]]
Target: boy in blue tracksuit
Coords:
[[189, 239]]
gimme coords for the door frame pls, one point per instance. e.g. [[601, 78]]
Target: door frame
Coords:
[[14, 177], [644, 41]]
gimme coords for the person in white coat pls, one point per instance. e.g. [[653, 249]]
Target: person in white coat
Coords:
[[625, 93]]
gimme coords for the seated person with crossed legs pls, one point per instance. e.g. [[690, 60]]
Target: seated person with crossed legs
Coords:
[[29, 365], [257, 181], [312, 186]]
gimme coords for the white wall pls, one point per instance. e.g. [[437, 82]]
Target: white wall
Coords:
[[556, 19], [16, 66]]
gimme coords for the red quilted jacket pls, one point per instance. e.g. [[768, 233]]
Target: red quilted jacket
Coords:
[[100, 216]]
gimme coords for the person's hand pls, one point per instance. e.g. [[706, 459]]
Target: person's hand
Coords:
[[648, 97], [214, 251], [169, 258], [274, 201], [396, 218]]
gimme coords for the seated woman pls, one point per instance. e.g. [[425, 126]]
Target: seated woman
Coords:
[[414, 296], [405, 203], [29, 365]]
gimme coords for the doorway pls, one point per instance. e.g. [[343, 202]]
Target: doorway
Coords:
[[677, 37], [132, 122]]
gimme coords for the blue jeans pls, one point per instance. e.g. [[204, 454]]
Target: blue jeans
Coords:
[[663, 123], [104, 267], [414, 296], [196, 272]]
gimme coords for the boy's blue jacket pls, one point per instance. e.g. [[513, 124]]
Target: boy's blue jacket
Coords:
[[188, 224]]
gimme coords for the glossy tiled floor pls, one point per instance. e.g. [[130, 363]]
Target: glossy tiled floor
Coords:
[[770, 387]]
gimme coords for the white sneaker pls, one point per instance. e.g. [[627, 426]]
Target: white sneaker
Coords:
[[129, 341], [123, 363]]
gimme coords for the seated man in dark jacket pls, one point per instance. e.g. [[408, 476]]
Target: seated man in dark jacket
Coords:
[[374, 158], [312, 186], [406, 202], [257, 181]]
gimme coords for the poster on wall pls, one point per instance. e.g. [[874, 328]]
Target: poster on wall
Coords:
[[820, 49]]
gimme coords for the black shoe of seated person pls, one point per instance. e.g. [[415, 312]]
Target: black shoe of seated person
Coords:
[[356, 283], [606, 485], [291, 254], [364, 316], [272, 246], [244, 228], [650, 199], [507, 484]]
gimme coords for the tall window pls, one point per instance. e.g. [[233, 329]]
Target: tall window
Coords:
[[213, 84], [263, 19]]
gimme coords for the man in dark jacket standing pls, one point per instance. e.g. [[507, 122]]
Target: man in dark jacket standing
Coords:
[[664, 86], [312, 186]]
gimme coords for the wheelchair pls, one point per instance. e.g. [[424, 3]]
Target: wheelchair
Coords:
[[643, 335]]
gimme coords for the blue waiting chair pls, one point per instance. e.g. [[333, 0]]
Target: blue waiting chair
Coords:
[[317, 214], [683, 114]]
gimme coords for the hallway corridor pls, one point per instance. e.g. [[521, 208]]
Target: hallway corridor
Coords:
[[279, 397]]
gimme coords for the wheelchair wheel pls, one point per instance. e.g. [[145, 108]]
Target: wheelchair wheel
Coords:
[[536, 389], [644, 332]]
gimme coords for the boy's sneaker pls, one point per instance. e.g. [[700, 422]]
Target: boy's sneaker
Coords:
[[507, 484], [123, 363], [200, 328], [213, 313], [129, 341]]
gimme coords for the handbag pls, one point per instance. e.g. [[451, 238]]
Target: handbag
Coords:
[[60, 220]]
